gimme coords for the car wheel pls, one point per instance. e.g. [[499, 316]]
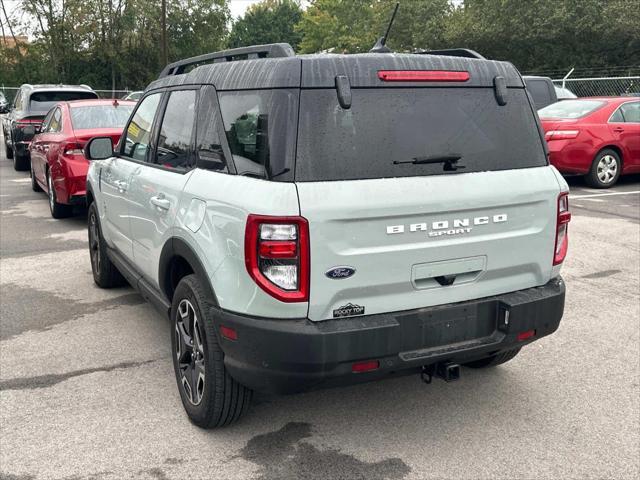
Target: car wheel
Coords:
[[34, 183], [494, 360], [58, 210], [605, 169], [210, 396], [21, 162], [105, 273], [8, 150]]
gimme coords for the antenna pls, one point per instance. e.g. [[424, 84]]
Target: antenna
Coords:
[[380, 46]]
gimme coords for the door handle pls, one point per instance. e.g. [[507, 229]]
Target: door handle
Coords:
[[121, 185], [618, 130], [161, 202]]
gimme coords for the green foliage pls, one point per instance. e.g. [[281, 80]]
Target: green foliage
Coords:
[[111, 43], [270, 21], [117, 43], [533, 34]]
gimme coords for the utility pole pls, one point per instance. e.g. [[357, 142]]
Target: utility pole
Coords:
[[165, 53]]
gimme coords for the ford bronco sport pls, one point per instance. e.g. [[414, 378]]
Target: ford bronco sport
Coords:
[[308, 221]]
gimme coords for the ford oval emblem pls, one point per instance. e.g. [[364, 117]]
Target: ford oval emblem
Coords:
[[338, 273]]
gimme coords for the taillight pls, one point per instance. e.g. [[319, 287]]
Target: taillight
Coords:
[[561, 134], [562, 226], [423, 76], [72, 149], [277, 256]]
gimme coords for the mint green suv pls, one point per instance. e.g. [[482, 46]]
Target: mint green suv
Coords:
[[309, 221]]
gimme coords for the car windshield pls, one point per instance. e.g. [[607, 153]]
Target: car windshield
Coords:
[[568, 109], [100, 116], [43, 101], [403, 132]]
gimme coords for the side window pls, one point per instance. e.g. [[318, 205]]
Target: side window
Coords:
[[174, 142], [46, 121], [138, 132], [209, 154], [617, 116], [631, 112], [55, 125]]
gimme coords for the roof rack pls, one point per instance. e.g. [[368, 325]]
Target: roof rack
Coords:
[[272, 50], [453, 52]]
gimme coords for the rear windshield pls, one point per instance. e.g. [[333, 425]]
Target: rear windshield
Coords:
[[570, 109], [100, 116], [385, 130], [43, 101]]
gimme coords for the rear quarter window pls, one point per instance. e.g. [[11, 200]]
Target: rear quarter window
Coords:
[[384, 126]]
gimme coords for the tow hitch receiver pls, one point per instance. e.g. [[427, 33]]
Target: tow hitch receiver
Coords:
[[447, 371]]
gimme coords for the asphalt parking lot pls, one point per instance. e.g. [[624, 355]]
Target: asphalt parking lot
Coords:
[[87, 387]]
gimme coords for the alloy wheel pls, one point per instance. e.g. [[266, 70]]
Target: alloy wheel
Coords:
[[190, 352], [607, 169]]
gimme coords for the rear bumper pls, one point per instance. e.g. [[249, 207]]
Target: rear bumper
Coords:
[[287, 356]]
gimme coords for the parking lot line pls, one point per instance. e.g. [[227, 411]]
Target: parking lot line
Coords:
[[604, 194]]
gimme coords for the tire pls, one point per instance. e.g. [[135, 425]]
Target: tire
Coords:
[[58, 210], [605, 169], [8, 150], [34, 183], [105, 273], [213, 399], [21, 162], [494, 360]]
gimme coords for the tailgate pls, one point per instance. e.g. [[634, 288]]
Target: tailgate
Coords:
[[422, 241]]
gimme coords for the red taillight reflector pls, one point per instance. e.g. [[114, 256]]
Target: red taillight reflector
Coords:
[[562, 228], [522, 336], [561, 134], [422, 76], [228, 332], [360, 367], [278, 249]]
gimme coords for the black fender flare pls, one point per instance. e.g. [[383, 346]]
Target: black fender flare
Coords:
[[178, 247]]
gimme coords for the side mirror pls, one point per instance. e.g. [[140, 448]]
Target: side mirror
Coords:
[[98, 148]]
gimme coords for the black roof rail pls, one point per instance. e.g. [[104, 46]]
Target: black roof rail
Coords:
[[453, 52], [271, 50]]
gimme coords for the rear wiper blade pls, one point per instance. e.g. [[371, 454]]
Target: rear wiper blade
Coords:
[[450, 161]]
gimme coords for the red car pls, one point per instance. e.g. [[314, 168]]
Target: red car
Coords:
[[598, 137], [58, 164]]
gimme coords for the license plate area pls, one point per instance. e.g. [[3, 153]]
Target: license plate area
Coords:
[[435, 327]]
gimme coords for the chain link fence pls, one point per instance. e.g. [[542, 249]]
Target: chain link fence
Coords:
[[601, 86]]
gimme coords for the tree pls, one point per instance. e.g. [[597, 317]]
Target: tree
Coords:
[[270, 21], [540, 35], [354, 25], [338, 25]]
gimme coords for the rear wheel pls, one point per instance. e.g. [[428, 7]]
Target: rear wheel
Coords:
[[105, 273], [210, 396], [8, 150], [605, 169], [494, 360], [58, 210], [20, 162]]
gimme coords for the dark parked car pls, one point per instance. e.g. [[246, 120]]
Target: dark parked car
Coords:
[[31, 104]]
